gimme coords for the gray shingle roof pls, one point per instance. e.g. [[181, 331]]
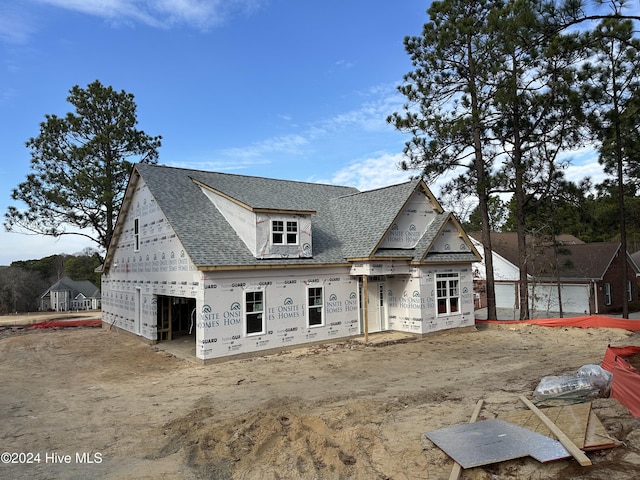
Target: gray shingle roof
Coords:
[[363, 218], [571, 259], [84, 287], [347, 223]]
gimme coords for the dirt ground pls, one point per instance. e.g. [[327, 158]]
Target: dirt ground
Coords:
[[92, 403]]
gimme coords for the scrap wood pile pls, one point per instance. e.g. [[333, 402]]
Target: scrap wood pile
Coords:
[[565, 430]]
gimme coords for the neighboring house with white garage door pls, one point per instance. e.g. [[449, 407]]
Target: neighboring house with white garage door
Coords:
[[589, 275], [248, 264]]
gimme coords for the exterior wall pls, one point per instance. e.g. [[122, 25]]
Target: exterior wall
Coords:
[[503, 270], [412, 301], [266, 249], [221, 318], [159, 267], [60, 300], [411, 223], [450, 241], [613, 276]]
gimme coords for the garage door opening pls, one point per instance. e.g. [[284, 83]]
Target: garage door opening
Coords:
[[175, 317]]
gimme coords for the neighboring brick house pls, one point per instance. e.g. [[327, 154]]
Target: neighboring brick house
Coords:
[[245, 264], [67, 294], [590, 275]]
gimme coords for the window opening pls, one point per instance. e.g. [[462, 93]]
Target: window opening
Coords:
[[254, 313], [136, 234], [448, 296], [607, 294], [280, 237], [315, 306]]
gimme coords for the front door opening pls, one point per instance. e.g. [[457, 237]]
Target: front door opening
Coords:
[[376, 305], [175, 317]]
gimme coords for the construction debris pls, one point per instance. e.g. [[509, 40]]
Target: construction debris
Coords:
[[493, 441], [545, 434]]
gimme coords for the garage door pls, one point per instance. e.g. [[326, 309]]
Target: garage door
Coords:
[[544, 298], [505, 295]]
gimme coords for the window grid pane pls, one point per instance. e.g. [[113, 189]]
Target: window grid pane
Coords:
[[315, 306], [254, 309], [277, 229], [447, 293], [292, 232]]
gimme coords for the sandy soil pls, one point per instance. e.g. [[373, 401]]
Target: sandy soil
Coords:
[[339, 411]]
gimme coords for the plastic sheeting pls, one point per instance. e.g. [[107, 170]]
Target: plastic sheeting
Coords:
[[625, 386]]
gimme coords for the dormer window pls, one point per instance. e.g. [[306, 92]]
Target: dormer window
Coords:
[[284, 233]]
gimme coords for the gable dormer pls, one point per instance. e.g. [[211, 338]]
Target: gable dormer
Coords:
[[283, 235], [451, 238], [267, 233], [412, 222]]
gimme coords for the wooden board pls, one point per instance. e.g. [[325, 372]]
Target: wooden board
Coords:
[[597, 437], [457, 469], [566, 442]]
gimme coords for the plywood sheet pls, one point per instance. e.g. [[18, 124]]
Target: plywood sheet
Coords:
[[571, 419], [577, 422]]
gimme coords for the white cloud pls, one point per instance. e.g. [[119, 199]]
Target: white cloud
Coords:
[[583, 163], [205, 163], [369, 118], [372, 172], [284, 144], [593, 170], [14, 26], [201, 14]]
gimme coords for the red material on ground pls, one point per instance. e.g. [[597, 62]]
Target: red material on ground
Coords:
[[67, 323], [625, 386], [589, 321]]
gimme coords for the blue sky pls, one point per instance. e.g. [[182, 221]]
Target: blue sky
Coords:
[[293, 89]]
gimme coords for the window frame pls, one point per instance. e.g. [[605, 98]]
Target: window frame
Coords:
[[607, 294], [285, 232], [315, 307], [447, 293], [136, 234], [250, 310]]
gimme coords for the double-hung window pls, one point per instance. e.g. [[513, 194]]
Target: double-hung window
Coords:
[[284, 233], [448, 293], [254, 313], [315, 306]]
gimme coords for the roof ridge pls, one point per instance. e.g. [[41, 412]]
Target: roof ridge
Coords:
[[209, 172], [379, 188]]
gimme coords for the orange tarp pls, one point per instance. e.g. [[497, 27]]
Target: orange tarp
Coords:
[[66, 323], [589, 321], [625, 385]]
